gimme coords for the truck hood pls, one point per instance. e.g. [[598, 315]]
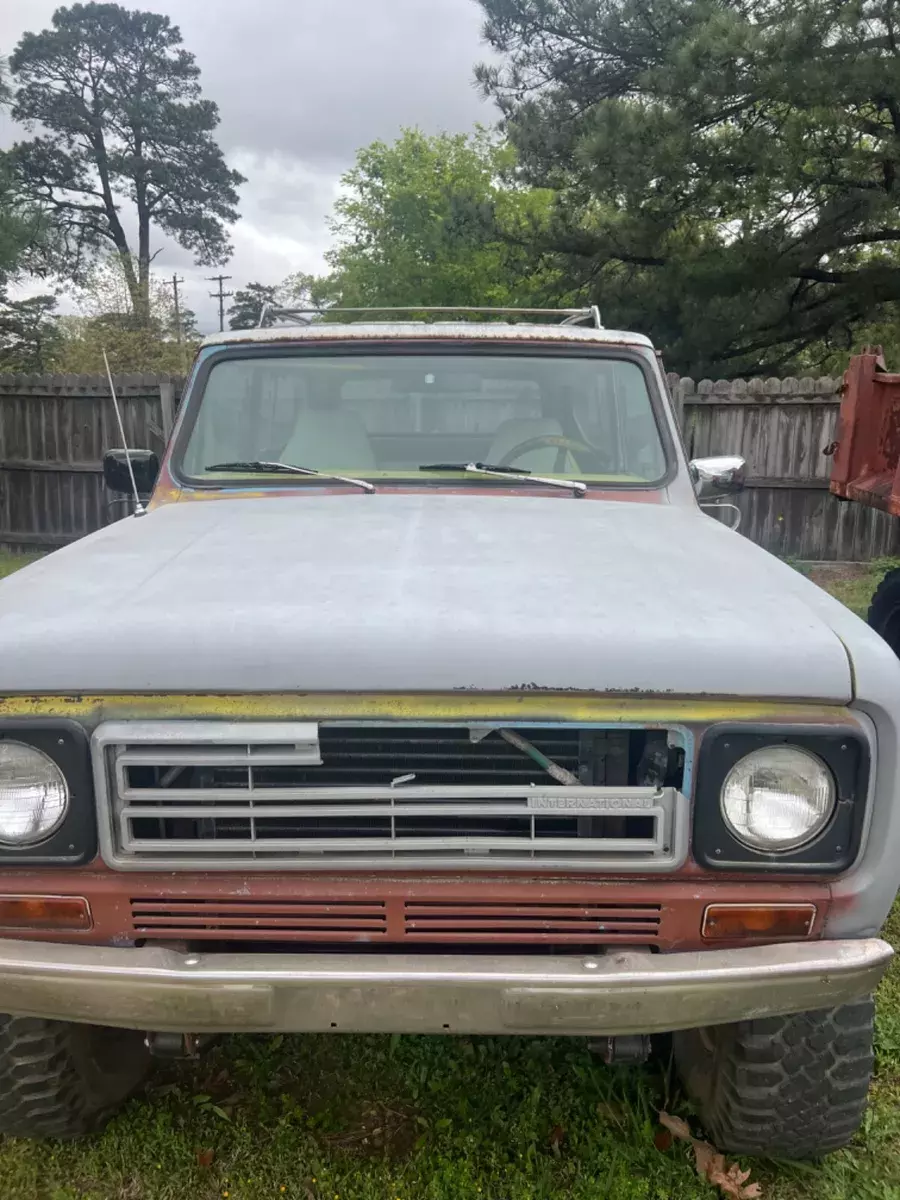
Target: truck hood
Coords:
[[417, 592]]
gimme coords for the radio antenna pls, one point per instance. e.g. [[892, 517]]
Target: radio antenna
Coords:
[[139, 509]]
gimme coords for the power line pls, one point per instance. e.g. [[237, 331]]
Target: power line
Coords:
[[175, 282], [221, 296]]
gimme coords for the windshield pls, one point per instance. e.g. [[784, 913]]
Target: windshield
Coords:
[[386, 416]]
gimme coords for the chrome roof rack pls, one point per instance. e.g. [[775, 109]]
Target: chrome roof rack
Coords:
[[306, 316]]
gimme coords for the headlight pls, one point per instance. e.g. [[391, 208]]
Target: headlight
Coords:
[[34, 795], [777, 798]]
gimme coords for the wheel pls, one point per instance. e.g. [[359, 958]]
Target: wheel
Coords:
[[783, 1087], [60, 1080], [884, 611]]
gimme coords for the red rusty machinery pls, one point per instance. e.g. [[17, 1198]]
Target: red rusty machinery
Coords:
[[866, 465]]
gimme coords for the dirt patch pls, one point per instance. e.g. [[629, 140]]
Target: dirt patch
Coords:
[[826, 574]]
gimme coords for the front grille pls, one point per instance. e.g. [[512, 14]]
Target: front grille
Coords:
[[178, 794], [393, 919]]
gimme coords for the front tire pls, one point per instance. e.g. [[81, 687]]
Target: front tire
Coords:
[[782, 1087], [884, 611], [61, 1080]]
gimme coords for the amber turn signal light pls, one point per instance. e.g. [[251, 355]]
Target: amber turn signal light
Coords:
[[729, 921], [44, 912]]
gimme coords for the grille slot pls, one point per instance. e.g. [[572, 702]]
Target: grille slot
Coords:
[[429, 921], [178, 794], [264, 920]]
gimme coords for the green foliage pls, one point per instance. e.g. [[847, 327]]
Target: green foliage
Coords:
[[29, 334], [107, 322], [131, 345], [726, 169], [118, 103], [249, 302], [433, 221], [15, 223], [21, 226], [832, 355]]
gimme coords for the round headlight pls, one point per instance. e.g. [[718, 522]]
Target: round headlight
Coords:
[[777, 798], [33, 795]]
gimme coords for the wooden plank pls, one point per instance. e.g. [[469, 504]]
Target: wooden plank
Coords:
[[777, 483], [28, 464], [167, 407], [756, 400], [36, 538]]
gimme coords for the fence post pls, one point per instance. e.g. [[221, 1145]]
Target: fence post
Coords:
[[167, 406]]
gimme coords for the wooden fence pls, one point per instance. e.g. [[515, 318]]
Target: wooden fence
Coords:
[[54, 430], [783, 428]]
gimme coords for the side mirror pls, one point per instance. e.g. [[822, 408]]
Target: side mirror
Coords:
[[116, 476], [720, 476]]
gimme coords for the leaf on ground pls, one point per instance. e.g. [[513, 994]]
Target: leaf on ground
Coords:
[[711, 1165], [557, 1137], [205, 1157], [676, 1126], [663, 1139]]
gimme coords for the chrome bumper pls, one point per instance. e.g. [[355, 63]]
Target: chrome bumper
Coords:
[[623, 992]]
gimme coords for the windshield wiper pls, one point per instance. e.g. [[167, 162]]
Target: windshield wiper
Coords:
[[279, 468], [479, 468]]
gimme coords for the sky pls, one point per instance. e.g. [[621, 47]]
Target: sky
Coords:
[[301, 85]]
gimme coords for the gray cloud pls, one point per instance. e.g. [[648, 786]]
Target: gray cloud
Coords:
[[301, 85]]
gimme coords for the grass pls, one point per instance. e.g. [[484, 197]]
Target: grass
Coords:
[[13, 562], [851, 583], [371, 1118]]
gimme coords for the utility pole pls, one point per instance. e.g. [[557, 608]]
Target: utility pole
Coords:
[[221, 296], [175, 282]]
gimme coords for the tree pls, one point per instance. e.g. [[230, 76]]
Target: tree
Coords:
[[20, 225], [249, 303], [29, 333], [119, 101], [728, 171], [17, 224], [108, 322], [430, 221]]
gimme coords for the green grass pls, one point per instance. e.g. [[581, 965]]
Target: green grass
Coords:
[[13, 562], [371, 1118], [851, 583]]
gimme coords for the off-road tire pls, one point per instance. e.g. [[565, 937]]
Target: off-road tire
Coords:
[[884, 611], [60, 1080], [783, 1087]]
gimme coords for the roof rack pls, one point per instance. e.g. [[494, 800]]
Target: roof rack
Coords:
[[306, 316]]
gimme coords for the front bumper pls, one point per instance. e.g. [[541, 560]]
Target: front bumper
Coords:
[[154, 988]]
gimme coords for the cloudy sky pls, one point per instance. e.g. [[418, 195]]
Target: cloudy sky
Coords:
[[301, 85]]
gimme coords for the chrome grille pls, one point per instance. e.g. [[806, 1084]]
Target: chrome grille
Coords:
[[222, 795]]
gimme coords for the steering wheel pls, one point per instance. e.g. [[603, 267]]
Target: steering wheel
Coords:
[[566, 446]]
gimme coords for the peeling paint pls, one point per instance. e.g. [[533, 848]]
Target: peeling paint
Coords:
[[466, 706]]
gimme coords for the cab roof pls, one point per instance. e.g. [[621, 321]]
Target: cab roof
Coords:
[[487, 331]]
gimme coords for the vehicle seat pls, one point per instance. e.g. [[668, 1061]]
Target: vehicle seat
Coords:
[[330, 439], [521, 429]]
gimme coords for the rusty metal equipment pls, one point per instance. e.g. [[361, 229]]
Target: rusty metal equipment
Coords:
[[866, 465]]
